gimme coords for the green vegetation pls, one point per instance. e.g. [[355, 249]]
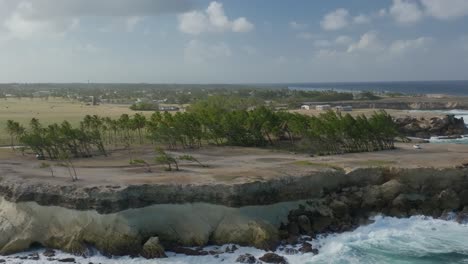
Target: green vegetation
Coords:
[[164, 158], [145, 106], [367, 95], [213, 121], [55, 141], [168, 93]]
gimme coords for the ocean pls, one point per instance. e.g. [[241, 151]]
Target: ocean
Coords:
[[413, 87], [415, 240]]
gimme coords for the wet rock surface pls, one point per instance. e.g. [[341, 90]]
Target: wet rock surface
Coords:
[[273, 258], [246, 258]]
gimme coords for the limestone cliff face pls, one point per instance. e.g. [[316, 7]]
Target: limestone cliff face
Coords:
[[328, 201], [422, 127], [25, 223]]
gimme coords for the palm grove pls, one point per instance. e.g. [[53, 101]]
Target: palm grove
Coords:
[[216, 121]]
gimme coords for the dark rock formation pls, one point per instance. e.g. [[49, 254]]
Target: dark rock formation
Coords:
[[401, 193], [273, 258], [49, 253], [436, 126], [307, 248], [247, 259]]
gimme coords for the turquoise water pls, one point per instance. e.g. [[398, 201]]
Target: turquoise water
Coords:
[[390, 240], [417, 240]]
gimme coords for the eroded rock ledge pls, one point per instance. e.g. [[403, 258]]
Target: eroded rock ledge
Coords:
[[120, 220], [113, 198]]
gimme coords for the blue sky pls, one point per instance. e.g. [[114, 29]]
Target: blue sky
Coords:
[[232, 41]]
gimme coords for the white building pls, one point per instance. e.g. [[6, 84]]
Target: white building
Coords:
[[305, 107], [323, 107], [346, 108]]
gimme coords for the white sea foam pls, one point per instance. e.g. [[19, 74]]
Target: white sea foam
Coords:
[[416, 239]]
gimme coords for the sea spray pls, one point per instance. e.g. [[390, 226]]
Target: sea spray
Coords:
[[417, 239]]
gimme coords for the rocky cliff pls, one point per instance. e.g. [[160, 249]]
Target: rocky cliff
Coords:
[[422, 127], [121, 220]]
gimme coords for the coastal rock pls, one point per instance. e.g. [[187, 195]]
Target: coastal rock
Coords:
[[307, 248], [273, 258], [254, 233], [49, 253], [153, 249], [448, 200], [304, 224], [189, 251], [341, 202], [391, 189], [247, 259], [340, 209], [67, 260], [405, 202], [290, 251], [422, 127]]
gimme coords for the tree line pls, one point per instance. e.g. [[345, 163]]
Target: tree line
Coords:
[[216, 122]]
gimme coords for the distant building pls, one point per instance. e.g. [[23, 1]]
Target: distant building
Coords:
[[305, 107], [142, 100], [169, 108], [346, 108], [323, 107], [41, 94]]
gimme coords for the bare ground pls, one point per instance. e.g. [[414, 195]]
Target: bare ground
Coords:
[[225, 165]]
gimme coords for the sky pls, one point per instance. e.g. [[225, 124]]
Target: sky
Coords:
[[232, 41]]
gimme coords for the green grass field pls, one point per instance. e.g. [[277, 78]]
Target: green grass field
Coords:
[[54, 110]]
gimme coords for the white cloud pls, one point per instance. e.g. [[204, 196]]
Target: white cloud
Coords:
[[213, 19], [132, 22], [199, 52], [446, 9], [305, 35], [297, 26], [193, 22], [216, 16], [361, 19], [369, 42], [343, 40], [402, 46], [406, 11], [242, 25], [28, 18], [18, 25], [335, 20]]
